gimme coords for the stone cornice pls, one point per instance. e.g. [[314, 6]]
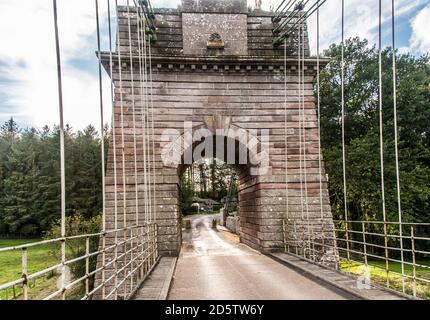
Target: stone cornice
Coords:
[[219, 64]]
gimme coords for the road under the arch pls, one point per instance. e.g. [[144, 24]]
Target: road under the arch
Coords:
[[214, 265]]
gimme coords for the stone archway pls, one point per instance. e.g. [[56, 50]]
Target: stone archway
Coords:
[[218, 138]]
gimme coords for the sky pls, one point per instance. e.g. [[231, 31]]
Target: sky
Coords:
[[28, 79]]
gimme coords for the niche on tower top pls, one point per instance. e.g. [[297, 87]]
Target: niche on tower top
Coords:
[[202, 19]]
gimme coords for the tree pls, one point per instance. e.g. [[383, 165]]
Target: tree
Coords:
[[30, 177], [84, 172], [77, 225], [214, 175], [22, 199], [10, 130], [187, 193], [362, 132]]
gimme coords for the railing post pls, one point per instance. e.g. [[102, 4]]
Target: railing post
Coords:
[[150, 246], [295, 236], [387, 269], [87, 266], [314, 256], [116, 265], [131, 259], [124, 267], [414, 272], [363, 231], [146, 246], [323, 248], [285, 235], [156, 241], [24, 274], [143, 251], [347, 246], [402, 257], [63, 268], [142, 241], [104, 265], [153, 243]]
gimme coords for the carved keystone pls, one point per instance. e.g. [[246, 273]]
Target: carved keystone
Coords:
[[217, 122]]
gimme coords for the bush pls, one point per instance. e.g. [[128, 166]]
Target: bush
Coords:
[[189, 210], [77, 225], [217, 207]]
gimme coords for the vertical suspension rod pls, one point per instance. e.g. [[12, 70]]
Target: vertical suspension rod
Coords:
[[62, 153]]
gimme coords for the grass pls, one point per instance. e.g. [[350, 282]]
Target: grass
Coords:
[[209, 212], [201, 213], [378, 274], [39, 258]]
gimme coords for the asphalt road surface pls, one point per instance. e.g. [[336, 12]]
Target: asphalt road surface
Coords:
[[213, 265]]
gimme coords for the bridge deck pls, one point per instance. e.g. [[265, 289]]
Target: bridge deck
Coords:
[[214, 265]]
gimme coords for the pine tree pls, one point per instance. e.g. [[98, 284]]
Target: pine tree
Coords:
[[22, 199], [9, 132]]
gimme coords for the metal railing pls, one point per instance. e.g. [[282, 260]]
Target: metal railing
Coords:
[[124, 257], [392, 254]]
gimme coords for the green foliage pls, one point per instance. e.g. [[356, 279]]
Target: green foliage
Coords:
[[77, 225], [187, 194], [208, 179], [363, 171], [215, 37], [30, 177], [377, 272]]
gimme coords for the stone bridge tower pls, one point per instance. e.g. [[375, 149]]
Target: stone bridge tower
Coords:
[[214, 65]]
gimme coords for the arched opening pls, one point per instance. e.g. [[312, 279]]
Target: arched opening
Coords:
[[209, 207], [208, 186], [216, 182]]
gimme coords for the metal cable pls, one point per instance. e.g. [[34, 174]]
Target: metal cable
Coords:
[[143, 99], [114, 150], [319, 129], [300, 133], [115, 179], [306, 197], [284, 11], [142, 106], [101, 118], [102, 143], [133, 108], [62, 152], [303, 17], [146, 149], [290, 18], [396, 148], [381, 138], [287, 211], [124, 206], [140, 29], [345, 196], [154, 207]]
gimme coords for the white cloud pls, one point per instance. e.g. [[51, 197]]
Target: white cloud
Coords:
[[404, 50], [420, 39], [361, 19], [28, 53]]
